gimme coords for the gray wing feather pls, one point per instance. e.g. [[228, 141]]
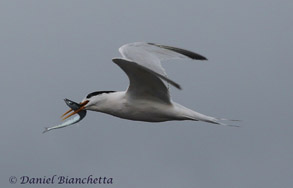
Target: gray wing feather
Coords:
[[150, 55], [187, 53], [144, 82]]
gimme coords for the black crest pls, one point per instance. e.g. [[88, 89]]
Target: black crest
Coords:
[[97, 93]]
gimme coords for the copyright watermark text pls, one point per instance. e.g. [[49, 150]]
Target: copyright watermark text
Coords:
[[57, 179]]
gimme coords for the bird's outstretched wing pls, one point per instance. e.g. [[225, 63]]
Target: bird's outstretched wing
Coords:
[[144, 82], [150, 55]]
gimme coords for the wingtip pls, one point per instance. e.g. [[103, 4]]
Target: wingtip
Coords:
[[116, 59], [178, 87], [187, 53], [203, 58], [196, 56]]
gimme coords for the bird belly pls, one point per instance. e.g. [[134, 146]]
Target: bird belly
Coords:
[[145, 111]]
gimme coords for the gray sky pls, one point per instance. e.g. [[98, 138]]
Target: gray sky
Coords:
[[53, 49]]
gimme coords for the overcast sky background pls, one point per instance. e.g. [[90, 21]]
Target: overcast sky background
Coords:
[[50, 50]]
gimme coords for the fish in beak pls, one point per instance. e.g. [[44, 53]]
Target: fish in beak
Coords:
[[74, 108], [77, 109]]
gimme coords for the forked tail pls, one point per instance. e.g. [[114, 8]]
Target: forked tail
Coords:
[[195, 116], [217, 121]]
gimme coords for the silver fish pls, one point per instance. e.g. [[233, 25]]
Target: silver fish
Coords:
[[80, 115]]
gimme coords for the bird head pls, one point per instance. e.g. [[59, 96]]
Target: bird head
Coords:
[[90, 102]]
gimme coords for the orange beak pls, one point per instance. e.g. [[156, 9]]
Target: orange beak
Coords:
[[82, 107]]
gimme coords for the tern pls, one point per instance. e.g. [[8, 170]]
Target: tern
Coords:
[[147, 97]]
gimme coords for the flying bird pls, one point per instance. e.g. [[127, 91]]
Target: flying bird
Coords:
[[147, 97]]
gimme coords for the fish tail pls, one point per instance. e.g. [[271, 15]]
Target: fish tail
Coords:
[[46, 130]]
